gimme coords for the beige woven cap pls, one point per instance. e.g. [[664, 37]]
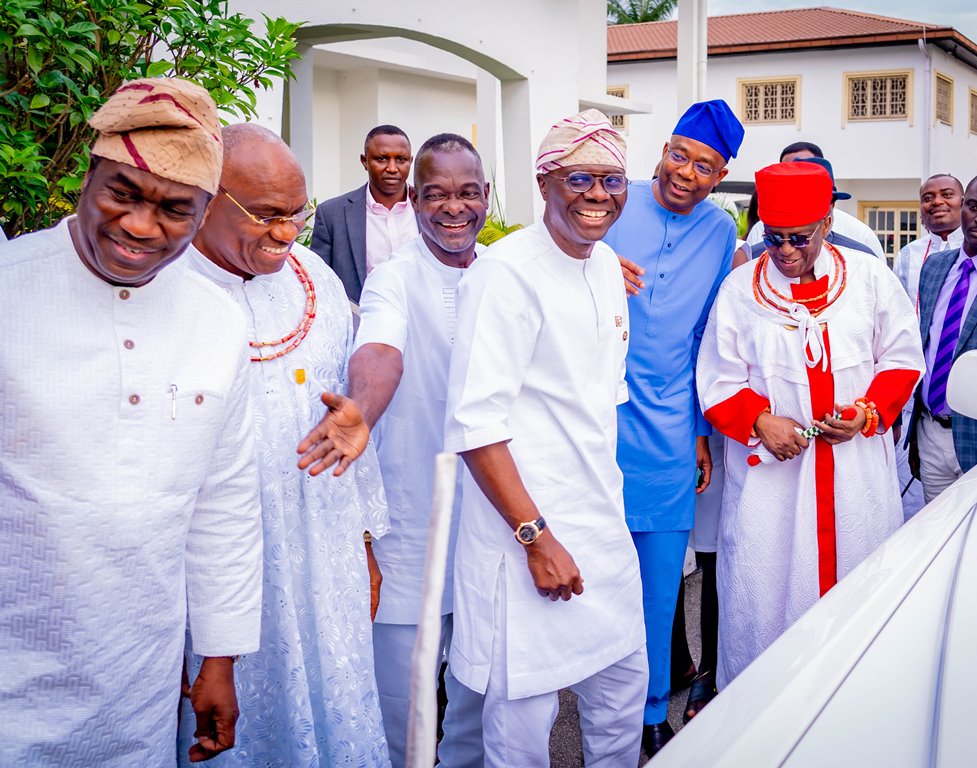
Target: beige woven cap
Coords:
[[165, 126], [587, 138]]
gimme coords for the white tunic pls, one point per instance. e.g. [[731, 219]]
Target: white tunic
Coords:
[[116, 517], [909, 260], [313, 677], [768, 548], [539, 362], [409, 303]]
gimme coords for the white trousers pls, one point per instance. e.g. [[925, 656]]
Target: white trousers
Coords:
[[611, 705], [461, 746], [938, 465]]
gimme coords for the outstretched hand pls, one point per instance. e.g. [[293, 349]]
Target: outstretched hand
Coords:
[[339, 438]]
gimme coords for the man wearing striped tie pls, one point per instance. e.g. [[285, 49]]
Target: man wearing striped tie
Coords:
[[946, 442]]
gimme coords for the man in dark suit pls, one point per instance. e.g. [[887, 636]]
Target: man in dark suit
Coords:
[[946, 442], [360, 229]]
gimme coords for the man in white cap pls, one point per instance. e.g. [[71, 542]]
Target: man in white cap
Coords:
[[128, 491], [547, 588]]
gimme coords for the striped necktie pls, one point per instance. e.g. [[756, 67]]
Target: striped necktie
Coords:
[[948, 339]]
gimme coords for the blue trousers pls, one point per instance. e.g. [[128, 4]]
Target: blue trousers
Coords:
[[660, 556]]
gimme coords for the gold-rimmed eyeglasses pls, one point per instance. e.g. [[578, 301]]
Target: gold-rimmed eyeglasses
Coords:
[[298, 219]]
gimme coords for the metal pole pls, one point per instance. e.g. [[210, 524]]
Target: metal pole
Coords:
[[422, 719]]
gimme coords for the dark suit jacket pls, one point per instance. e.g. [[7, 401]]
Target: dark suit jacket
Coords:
[[339, 237], [934, 274]]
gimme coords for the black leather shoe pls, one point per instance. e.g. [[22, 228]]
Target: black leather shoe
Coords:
[[656, 736]]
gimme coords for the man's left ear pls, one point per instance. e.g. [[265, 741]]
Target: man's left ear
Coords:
[[488, 189], [826, 224], [722, 174]]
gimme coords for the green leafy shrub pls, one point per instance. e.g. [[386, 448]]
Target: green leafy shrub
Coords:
[[60, 59]]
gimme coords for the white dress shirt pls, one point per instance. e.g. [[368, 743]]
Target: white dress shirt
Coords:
[[909, 260], [128, 500], [538, 363], [409, 303], [387, 229]]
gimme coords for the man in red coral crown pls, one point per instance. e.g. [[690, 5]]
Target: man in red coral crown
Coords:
[[809, 335]]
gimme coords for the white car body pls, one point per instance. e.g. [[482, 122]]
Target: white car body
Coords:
[[882, 671]]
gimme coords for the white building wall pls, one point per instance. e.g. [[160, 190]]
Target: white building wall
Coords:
[[349, 102], [874, 150], [955, 147], [549, 54], [424, 106]]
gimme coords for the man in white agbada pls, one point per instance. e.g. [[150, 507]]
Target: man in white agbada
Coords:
[[308, 697], [536, 373], [810, 334], [400, 369], [128, 490]]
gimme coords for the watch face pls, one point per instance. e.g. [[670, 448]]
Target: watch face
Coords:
[[527, 534]]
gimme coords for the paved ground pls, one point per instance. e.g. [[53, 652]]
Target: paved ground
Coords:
[[565, 745]]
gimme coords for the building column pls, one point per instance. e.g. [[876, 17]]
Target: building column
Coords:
[[692, 52], [298, 129], [518, 152]]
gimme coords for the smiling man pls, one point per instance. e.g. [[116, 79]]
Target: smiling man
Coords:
[[313, 674], [940, 200], [945, 441], [809, 334], [684, 244], [356, 231], [547, 590], [128, 492], [399, 377]]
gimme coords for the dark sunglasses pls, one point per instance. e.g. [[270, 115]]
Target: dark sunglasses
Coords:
[[799, 240], [581, 181]]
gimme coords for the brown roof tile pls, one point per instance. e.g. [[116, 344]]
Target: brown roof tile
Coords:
[[767, 30]]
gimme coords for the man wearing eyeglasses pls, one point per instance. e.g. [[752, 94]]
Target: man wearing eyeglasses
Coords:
[[308, 696], [683, 245], [810, 336], [844, 225], [547, 589]]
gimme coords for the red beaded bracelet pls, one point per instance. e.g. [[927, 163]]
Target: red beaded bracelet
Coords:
[[871, 417]]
